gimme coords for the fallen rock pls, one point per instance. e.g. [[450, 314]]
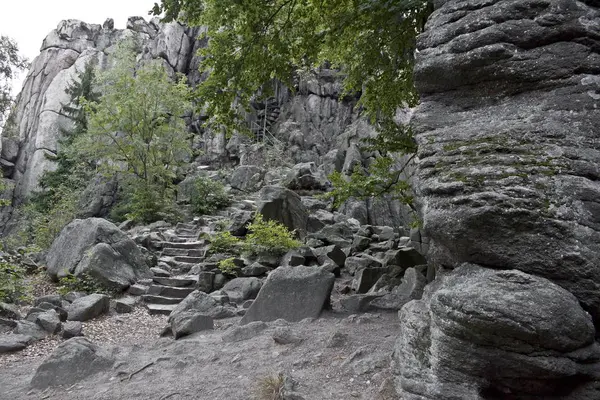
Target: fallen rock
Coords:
[[284, 335], [365, 278], [97, 248], [30, 329], [124, 305], [201, 303], [283, 205], [72, 361], [72, 329], [256, 269], [9, 311], [240, 289], [411, 288], [53, 299], [244, 332], [88, 307], [291, 293], [188, 322], [306, 176], [49, 321], [14, 342]]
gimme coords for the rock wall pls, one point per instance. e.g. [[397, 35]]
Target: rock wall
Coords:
[[508, 182]]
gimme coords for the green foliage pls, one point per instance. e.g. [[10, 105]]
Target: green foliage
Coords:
[[269, 237], [137, 130], [372, 43], [10, 63], [225, 243], [228, 267], [251, 43], [12, 283], [82, 283], [208, 196]]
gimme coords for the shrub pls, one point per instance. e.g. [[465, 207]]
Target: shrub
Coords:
[[208, 196], [270, 387], [228, 267], [12, 283], [82, 283], [224, 242], [269, 237]]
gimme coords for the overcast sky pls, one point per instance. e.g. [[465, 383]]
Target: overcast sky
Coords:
[[29, 21]]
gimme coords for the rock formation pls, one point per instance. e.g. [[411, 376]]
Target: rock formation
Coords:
[[508, 181]]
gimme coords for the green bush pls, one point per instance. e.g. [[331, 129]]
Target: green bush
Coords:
[[269, 237], [13, 287], [228, 267], [208, 196], [82, 283], [224, 242]]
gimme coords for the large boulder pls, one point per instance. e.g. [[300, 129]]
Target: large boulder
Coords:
[[291, 293], [88, 307], [247, 178], [72, 361], [507, 177], [282, 205], [478, 335], [199, 302], [97, 248]]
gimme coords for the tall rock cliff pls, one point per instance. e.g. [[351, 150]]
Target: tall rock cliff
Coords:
[[508, 182]]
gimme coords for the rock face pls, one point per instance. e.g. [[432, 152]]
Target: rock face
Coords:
[[507, 178], [64, 54], [72, 361], [97, 248]]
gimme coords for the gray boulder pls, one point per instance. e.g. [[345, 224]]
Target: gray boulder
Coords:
[[507, 324], [88, 307], [199, 302], [244, 332], [14, 342], [9, 311], [72, 361], [188, 322], [97, 248], [411, 288], [71, 329], [306, 176], [291, 293], [283, 205], [30, 329], [49, 321], [241, 289], [247, 178]]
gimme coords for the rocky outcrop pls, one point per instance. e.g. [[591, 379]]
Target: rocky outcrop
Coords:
[[29, 146], [508, 179]]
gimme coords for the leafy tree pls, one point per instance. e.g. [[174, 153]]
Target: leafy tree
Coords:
[[137, 130], [10, 63], [372, 42]]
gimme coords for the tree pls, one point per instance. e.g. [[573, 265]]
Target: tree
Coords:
[[10, 63], [372, 42], [137, 130]]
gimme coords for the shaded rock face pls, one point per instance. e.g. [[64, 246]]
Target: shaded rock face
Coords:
[[507, 178], [508, 140]]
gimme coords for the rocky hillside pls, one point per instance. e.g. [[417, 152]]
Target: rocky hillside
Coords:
[[506, 181]]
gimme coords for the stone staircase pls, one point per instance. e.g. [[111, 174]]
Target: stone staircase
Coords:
[[182, 256]]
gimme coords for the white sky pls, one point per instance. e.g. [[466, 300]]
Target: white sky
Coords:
[[29, 21]]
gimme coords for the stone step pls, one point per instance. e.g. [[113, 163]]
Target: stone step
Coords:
[[176, 252], [179, 267], [197, 252], [170, 291], [188, 259], [176, 282], [164, 309], [137, 289], [184, 245], [152, 299], [185, 225]]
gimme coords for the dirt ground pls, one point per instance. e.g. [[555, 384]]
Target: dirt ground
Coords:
[[339, 356]]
